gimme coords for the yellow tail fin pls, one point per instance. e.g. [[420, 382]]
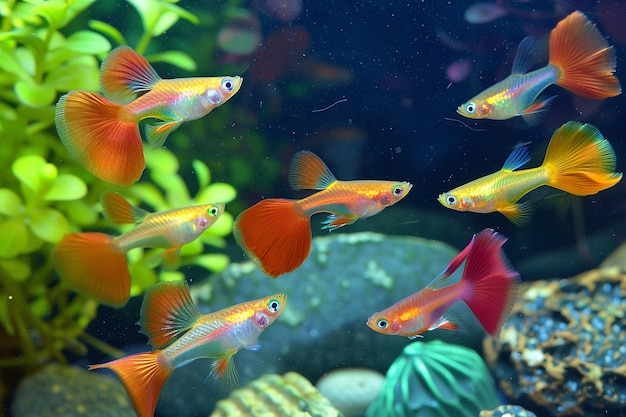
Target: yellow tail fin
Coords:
[[580, 161]]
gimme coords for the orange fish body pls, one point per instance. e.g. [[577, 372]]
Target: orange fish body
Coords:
[[578, 161], [95, 264], [276, 233], [102, 132], [180, 334], [581, 61], [488, 286]]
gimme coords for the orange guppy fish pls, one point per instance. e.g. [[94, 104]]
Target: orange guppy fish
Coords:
[[102, 132], [578, 161], [488, 286], [276, 233], [95, 264], [180, 334], [581, 61]]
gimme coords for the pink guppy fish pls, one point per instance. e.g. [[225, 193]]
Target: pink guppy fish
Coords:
[[488, 286]]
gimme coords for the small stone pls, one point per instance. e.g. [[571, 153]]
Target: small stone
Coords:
[[58, 390], [351, 390]]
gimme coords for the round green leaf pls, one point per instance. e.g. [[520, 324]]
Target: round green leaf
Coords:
[[34, 95], [16, 268], [10, 202], [78, 212], [80, 73], [28, 169], [202, 173], [213, 261], [53, 11], [108, 30], [171, 276], [219, 192], [162, 161], [193, 248], [176, 58], [88, 42], [14, 238], [49, 224], [67, 187]]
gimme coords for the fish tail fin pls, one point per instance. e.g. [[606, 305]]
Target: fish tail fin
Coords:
[[93, 264], [579, 160], [491, 283], [586, 61], [96, 133], [143, 377], [275, 234], [308, 172]]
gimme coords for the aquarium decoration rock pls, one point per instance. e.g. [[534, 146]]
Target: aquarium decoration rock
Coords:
[[69, 391], [277, 396], [435, 379], [507, 411], [351, 390], [562, 350]]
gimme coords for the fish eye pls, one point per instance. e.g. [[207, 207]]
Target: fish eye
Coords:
[[382, 323], [228, 85], [470, 108], [397, 190], [273, 305], [452, 200], [213, 211]]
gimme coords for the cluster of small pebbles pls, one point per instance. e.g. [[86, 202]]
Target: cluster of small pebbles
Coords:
[[562, 351]]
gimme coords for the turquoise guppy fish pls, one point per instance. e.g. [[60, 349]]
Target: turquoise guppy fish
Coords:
[[180, 334], [102, 132], [581, 61]]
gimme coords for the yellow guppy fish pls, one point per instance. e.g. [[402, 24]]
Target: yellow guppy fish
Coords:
[[578, 161]]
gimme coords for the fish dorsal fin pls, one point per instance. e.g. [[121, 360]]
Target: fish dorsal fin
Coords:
[[526, 55], [119, 211], [518, 158], [167, 312], [125, 74], [309, 172]]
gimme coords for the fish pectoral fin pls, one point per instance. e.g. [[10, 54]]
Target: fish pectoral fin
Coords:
[[156, 133], [253, 346], [447, 322], [171, 258], [536, 112], [518, 213], [335, 222], [223, 369]]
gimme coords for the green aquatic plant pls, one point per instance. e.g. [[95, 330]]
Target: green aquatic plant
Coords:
[[435, 379], [46, 49]]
